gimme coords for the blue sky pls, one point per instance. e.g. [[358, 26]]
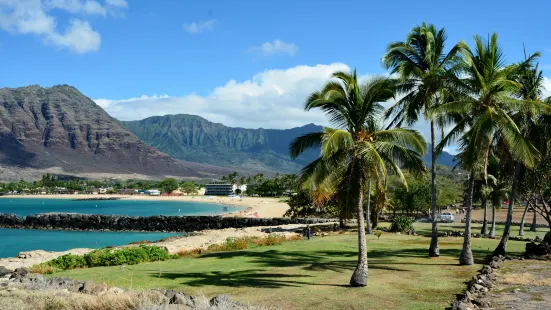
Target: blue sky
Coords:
[[242, 63]]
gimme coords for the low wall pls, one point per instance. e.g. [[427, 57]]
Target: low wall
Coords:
[[60, 221], [526, 224]]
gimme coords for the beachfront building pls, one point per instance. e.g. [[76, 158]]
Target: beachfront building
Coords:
[[127, 191], [223, 189], [153, 192]]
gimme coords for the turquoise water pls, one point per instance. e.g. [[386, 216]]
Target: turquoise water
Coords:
[[26, 206], [13, 241]]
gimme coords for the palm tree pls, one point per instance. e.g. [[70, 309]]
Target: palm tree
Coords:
[[486, 103], [424, 70], [356, 152], [530, 90]]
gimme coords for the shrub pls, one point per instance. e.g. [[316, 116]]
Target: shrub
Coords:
[[111, 257], [401, 223], [43, 268], [190, 253], [378, 233], [231, 244], [271, 240]]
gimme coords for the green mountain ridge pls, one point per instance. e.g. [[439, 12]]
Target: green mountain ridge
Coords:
[[193, 138]]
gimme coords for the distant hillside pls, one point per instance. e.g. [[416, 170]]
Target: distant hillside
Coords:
[[60, 128], [193, 138]]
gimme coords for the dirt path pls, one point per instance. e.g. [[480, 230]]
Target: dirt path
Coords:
[[523, 285]]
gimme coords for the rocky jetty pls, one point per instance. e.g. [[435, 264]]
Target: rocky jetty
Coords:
[[97, 222]]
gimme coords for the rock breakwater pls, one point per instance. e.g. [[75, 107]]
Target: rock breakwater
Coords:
[[97, 222]]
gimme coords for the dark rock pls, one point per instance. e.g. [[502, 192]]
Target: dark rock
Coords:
[[482, 302], [19, 273], [220, 299], [4, 271], [547, 238], [537, 239]]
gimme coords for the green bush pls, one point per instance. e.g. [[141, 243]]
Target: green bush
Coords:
[[111, 257], [401, 223]]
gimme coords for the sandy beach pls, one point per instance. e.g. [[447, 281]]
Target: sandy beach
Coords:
[[256, 206]]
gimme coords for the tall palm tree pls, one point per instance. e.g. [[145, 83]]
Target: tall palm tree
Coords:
[[357, 151], [424, 70], [530, 91], [486, 104]]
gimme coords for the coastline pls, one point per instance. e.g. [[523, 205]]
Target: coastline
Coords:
[[255, 206], [195, 240]]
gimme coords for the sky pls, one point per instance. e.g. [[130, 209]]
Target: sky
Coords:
[[245, 63]]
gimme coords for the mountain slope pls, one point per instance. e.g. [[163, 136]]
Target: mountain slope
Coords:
[[59, 127], [194, 138]]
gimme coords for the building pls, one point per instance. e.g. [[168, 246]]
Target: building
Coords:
[[223, 189], [127, 191], [153, 192]]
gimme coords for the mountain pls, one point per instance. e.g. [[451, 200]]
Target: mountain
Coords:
[[193, 138], [59, 128]]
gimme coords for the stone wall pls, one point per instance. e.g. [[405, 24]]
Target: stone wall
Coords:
[[63, 221], [526, 224]]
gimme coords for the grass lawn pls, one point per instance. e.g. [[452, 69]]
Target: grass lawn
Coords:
[[314, 274]]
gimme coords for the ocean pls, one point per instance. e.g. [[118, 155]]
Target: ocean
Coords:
[[13, 241]]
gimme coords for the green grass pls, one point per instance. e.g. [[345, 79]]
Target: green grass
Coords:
[[314, 274]]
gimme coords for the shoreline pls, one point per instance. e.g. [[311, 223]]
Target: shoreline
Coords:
[[261, 207], [194, 240]]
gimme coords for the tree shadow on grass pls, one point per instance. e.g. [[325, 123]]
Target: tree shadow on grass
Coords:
[[263, 275]]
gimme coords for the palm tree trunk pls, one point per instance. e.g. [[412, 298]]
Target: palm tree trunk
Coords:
[[501, 248], [434, 251], [367, 210], [359, 277], [493, 231], [522, 221], [485, 222], [466, 257], [534, 220]]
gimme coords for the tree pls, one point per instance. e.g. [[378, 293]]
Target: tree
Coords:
[[189, 187], [486, 104], [530, 90], [358, 152], [168, 185], [424, 69]]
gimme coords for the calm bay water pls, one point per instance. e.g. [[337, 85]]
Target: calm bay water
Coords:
[[13, 241], [26, 206]]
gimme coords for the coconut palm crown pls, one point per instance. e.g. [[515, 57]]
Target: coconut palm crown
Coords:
[[426, 72], [357, 150]]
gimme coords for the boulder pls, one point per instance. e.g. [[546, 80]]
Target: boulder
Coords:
[[4, 271], [183, 299], [19, 273], [547, 238], [220, 300], [92, 288]]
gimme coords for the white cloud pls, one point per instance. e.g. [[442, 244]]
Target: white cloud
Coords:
[[547, 86], [275, 47], [271, 99], [34, 17], [77, 6], [117, 3], [80, 37], [200, 26]]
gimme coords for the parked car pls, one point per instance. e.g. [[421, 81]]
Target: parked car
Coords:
[[447, 217]]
